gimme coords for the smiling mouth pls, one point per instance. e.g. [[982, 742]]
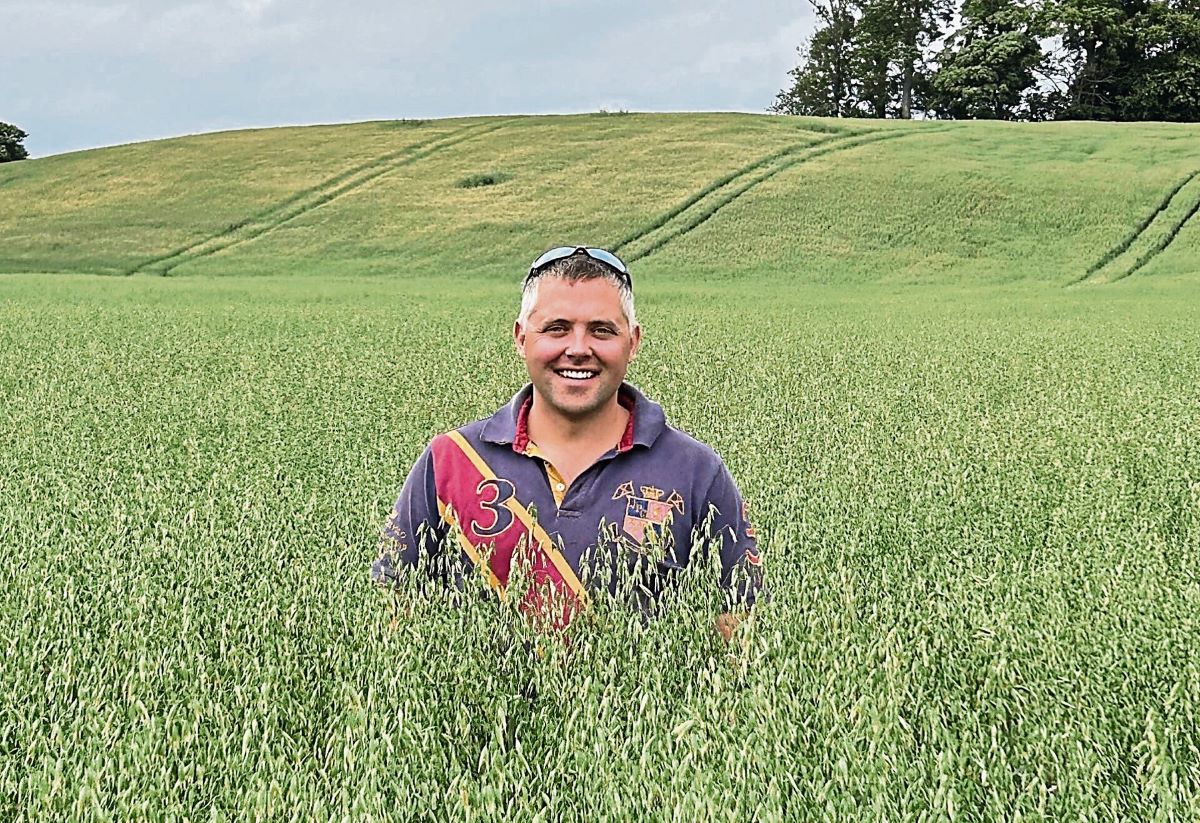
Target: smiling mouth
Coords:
[[577, 374]]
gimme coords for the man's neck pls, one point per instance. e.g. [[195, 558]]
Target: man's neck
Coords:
[[602, 428]]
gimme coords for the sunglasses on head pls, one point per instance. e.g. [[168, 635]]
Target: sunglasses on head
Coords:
[[600, 255]]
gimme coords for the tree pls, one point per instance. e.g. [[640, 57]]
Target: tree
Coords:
[[1130, 59], [987, 69], [824, 83], [1166, 85], [1098, 42], [10, 143], [896, 39], [876, 45], [920, 24], [867, 58]]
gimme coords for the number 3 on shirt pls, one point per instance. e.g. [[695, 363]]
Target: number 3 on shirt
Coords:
[[493, 493]]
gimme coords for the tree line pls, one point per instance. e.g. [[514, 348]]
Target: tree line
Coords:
[[1000, 59], [11, 147]]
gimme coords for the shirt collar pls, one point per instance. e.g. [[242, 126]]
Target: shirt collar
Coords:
[[509, 426]]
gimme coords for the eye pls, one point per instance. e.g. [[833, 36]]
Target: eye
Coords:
[[605, 331], [554, 328]]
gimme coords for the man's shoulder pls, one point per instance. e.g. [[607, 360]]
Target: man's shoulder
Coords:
[[471, 432], [678, 445]]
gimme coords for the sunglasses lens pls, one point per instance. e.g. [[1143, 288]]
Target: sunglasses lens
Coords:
[[550, 256], [608, 258]]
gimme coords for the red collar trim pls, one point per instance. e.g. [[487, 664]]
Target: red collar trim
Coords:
[[628, 402], [521, 436]]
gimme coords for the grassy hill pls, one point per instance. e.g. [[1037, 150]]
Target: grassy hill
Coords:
[[717, 195]]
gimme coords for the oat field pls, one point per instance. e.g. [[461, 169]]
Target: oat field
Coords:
[[953, 367]]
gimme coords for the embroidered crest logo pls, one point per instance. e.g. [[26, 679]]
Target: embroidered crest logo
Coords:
[[647, 512]]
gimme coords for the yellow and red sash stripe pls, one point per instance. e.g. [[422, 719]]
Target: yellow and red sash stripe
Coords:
[[469, 504]]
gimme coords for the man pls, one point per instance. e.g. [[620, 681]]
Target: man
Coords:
[[580, 474]]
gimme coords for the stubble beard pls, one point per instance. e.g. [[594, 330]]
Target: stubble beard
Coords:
[[577, 407]]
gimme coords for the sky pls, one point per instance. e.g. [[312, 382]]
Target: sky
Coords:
[[86, 73]]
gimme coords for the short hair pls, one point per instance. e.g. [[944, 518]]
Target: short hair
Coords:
[[573, 269]]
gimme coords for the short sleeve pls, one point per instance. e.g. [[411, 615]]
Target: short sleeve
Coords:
[[741, 562], [413, 525]]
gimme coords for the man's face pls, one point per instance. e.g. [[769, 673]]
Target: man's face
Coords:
[[577, 344]]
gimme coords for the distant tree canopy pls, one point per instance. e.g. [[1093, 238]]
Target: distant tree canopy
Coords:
[[10, 143], [1000, 59]]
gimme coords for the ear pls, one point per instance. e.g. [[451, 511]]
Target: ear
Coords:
[[519, 337], [636, 334]]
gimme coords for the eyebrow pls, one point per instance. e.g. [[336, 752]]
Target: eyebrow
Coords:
[[591, 323]]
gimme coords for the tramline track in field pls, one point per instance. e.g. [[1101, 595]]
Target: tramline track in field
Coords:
[[1152, 236], [697, 209], [305, 201]]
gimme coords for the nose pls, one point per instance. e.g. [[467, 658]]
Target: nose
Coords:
[[577, 344]]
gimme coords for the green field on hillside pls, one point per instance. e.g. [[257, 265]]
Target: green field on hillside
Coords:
[[725, 195], [952, 366]]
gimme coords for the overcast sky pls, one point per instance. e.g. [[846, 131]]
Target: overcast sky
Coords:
[[84, 73]]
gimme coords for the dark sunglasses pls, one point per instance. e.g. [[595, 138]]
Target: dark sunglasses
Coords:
[[600, 255]]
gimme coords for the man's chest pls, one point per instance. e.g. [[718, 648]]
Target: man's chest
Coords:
[[640, 504]]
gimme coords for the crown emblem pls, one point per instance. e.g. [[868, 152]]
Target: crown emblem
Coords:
[[648, 517]]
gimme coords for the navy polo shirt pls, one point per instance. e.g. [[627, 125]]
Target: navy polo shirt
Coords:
[[655, 499]]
